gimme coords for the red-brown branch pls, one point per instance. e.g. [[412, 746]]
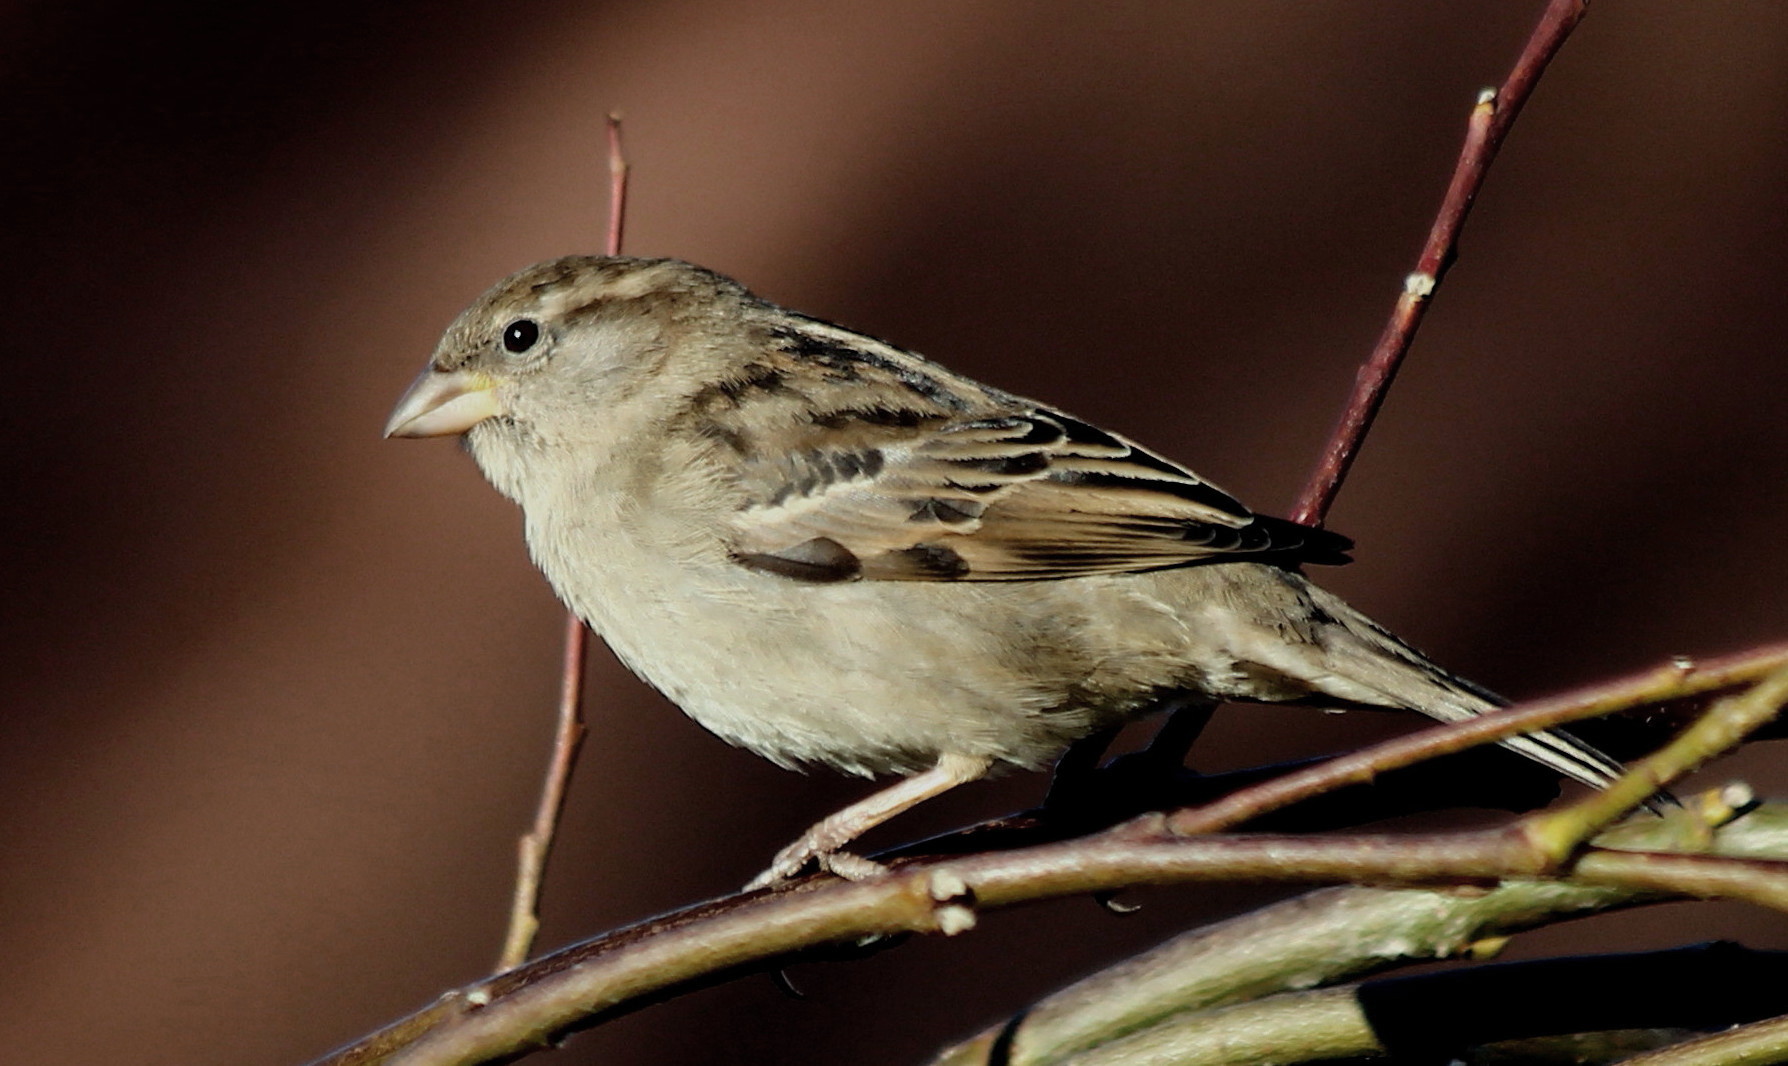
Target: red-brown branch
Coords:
[[535, 847], [1495, 112], [617, 187]]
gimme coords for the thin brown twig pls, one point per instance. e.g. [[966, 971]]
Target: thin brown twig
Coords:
[[535, 846], [1489, 124], [617, 186], [1673, 681]]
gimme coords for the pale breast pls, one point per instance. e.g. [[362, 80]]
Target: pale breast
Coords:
[[867, 677]]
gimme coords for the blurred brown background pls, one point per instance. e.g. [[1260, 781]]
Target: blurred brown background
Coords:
[[278, 691]]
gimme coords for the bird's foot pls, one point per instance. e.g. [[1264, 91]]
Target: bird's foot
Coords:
[[851, 867], [794, 858], [821, 843]]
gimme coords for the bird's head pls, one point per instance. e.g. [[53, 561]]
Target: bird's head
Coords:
[[549, 348], [573, 351]]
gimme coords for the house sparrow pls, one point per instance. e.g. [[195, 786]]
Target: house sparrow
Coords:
[[826, 549]]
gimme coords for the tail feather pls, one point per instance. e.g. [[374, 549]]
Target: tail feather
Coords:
[[1569, 756], [1368, 656]]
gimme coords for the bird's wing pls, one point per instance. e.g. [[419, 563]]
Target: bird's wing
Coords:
[[1028, 494]]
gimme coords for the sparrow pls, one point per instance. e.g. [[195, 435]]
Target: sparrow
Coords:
[[829, 550]]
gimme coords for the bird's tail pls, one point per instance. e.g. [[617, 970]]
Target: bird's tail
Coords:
[[1365, 663]]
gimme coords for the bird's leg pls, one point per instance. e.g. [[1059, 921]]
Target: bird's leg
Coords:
[[1186, 719], [836, 830], [1139, 781], [1149, 779], [1076, 768]]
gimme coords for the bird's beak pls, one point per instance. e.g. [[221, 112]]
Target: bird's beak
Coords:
[[441, 403]]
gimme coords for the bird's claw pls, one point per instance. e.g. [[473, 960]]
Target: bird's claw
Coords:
[[794, 858]]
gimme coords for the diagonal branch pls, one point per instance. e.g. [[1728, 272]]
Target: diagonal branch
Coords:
[[1489, 123], [1676, 680]]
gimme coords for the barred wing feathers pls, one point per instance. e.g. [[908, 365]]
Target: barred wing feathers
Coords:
[[1023, 495]]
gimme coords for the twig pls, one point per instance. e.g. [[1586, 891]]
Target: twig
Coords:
[[535, 846], [617, 186], [1676, 680], [1489, 124]]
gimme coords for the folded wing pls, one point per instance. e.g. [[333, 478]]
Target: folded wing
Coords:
[[1024, 495]]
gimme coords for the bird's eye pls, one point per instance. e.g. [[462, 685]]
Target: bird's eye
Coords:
[[520, 335]]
